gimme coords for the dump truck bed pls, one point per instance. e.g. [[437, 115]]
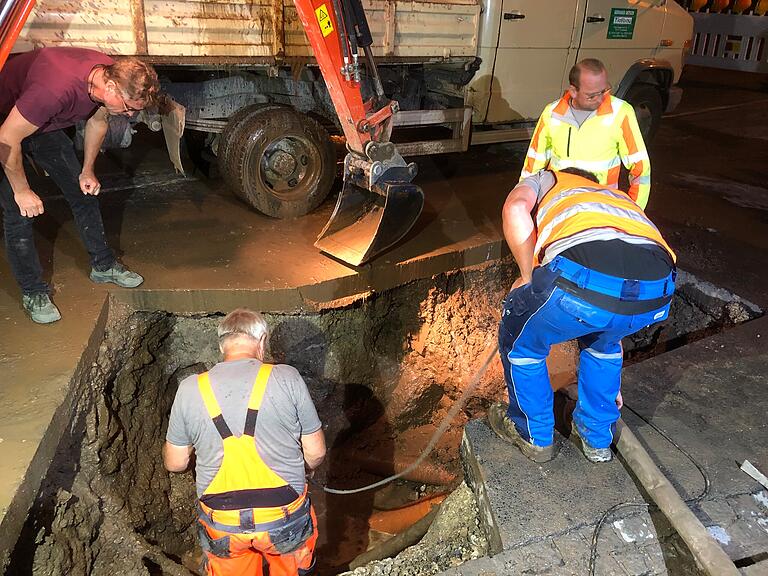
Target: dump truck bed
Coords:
[[248, 31]]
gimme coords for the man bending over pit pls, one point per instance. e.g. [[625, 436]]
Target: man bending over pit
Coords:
[[253, 429], [42, 93], [593, 268]]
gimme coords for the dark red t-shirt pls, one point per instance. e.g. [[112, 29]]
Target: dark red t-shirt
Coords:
[[49, 86]]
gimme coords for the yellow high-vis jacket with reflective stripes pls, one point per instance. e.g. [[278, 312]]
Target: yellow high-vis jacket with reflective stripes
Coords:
[[607, 139]]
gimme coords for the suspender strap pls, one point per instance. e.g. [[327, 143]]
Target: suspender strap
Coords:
[[254, 403], [257, 395], [212, 406]]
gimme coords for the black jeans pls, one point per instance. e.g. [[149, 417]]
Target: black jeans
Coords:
[[54, 153]]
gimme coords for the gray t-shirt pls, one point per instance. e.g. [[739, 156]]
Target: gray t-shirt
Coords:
[[286, 413], [580, 116]]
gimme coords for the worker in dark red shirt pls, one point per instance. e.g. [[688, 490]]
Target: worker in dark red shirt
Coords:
[[41, 93]]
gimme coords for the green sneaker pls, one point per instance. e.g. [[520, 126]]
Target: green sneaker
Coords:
[[117, 274], [40, 308], [505, 429], [596, 455]]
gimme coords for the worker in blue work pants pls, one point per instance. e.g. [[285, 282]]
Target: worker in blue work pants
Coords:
[[593, 268]]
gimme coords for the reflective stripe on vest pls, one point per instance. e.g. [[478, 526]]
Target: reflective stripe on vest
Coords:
[[244, 485], [575, 204]]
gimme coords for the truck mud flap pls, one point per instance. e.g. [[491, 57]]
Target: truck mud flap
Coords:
[[367, 222]]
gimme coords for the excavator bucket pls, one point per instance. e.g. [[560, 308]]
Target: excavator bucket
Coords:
[[367, 222]]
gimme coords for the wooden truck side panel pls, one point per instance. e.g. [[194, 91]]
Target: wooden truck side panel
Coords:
[[184, 31]]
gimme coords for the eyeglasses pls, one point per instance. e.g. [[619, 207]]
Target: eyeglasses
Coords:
[[126, 108], [595, 95]]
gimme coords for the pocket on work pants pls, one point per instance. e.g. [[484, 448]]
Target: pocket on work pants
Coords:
[[219, 547], [288, 538], [586, 314]]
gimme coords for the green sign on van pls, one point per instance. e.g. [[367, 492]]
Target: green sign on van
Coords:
[[622, 23]]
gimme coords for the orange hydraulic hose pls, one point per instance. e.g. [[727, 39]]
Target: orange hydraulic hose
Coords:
[[13, 28]]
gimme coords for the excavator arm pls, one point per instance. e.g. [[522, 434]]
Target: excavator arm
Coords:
[[13, 15], [378, 203]]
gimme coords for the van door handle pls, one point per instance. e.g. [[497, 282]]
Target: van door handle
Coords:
[[595, 19], [513, 16]]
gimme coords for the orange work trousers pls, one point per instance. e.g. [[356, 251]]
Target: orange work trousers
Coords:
[[288, 551]]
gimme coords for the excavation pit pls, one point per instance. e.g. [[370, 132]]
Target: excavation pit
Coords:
[[383, 370]]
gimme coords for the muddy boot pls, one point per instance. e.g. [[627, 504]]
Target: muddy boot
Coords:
[[40, 308], [595, 455], [505, 429], [117, 274]]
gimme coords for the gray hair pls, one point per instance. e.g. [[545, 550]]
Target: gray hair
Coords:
[[242, 322]]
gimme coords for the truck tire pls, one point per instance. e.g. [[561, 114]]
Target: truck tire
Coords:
[[646, 100], [281, 162], [232, 129]]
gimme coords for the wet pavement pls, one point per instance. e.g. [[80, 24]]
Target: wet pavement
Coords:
[[201, 250]]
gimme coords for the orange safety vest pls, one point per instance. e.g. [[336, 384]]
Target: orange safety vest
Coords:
[[245, 491], [575, 204]]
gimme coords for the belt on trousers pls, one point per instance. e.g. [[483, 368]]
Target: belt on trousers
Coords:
[[245, 520], [621, 288]]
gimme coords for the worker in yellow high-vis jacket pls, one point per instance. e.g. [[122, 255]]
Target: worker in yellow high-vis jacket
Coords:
[[591, 130]]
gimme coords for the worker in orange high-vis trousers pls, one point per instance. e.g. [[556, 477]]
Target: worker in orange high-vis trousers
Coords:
[[591, 130], [254, 431], [593, 268]]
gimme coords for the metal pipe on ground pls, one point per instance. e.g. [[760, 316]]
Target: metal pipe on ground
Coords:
[[704, 548]]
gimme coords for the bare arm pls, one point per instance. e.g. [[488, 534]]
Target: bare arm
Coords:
[[95, 130], [519, 230], [313, 446], [12, 132], [176, 458]]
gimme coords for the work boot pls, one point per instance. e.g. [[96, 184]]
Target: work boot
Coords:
[[505, 429], [595, 455], [117, 274], [40, 308]]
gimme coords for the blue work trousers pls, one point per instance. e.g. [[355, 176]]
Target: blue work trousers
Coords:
[[54, 153], [539, 314]]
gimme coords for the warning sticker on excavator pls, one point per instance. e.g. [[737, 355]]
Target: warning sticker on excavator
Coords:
[[324, 19]]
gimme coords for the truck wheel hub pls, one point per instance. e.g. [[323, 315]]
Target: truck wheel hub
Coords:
[[285, 163]]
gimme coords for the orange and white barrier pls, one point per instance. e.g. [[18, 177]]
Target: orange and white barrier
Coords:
[[734, 41]]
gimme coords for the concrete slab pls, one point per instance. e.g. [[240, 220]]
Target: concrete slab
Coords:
[[540, 517], [524, 502]]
